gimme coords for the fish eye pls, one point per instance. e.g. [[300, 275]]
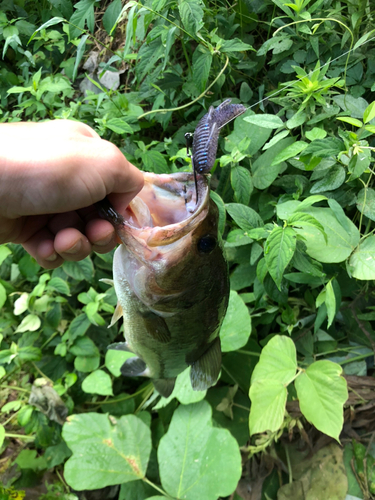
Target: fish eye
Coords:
[[206, 244]]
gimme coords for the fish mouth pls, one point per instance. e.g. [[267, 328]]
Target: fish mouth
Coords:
[[165, 210]]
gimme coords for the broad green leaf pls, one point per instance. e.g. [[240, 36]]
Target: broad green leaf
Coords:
[[279, 249], [266, 121], [369, 113], [98, 382], [242, 277], [366, 202], [301, 219], [268, 399], [340, 242], [333, 179], [82, 270], [191, 13], [30, 323], [236, 327], [275, 139], [111, 15], [3, 295], [21, 304], [148, 55], [263, 172], [235, 45], [325, 148], [315, 133], [84, 346], [237, 238], [105, 452], [242, 184], [339, 213], [83, 14], [245, 217], [115, 359], [352, 121], [78, 327], [310, 200], [277, 361], [119, 126], [202, 60], [330, 301], [182, 391], [356, 106], [198, 461], [4, 252], [362, 261], [59, 285], [289, 152], [322, 393], [297, 120], [244, 130], [154, 161], [359, 163]]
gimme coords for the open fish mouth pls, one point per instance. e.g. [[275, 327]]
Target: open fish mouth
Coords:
[[164, 211]]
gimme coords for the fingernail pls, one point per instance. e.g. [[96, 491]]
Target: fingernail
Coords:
[[75, 248], [104, 241], [52, 257]]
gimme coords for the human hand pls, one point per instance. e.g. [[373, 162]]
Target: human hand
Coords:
[[51, 174]]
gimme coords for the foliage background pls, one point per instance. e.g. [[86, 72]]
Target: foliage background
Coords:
[[293, 183]]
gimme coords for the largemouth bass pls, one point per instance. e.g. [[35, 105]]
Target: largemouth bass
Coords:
[[171, 281]]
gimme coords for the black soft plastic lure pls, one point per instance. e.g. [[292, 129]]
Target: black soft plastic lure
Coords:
[[206, 135]]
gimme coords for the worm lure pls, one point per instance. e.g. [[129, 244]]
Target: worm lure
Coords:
[[206, 134]]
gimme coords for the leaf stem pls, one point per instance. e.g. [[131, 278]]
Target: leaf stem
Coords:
[[157, 488], [16, 388], [19, 436], [250, 353]]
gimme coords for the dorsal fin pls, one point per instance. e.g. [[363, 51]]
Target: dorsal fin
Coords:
[[164, 386], [205, 371], [134, 367], [116, 315]]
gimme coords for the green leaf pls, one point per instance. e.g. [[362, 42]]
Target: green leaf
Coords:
[[3, 295], [82, 270], [87, 364], [111, 14], [80, 51], [98, 382], [115, 359], [2, 435], [369, 113], [243, 130], [84, 346], [289, 152], [263, 172], [222, 212], [340, 242], [28, 266], [333, 179], [315, 133], [330, 301], [301, 219], [245, 217], [59, 285], [83, 14], [50, 22], [324, 148], [297, 120], [235, 45], [322, 393], [242, 184], [359, 163], [154, 161], [275, 139], [362, 261], [4, 252], [339, 213], [119, 126], [202, 60], [191, 13], [192, 455], [352, 121], [182, 391], [236, 327], [268, 399], [266, 121], [30, 323], [77, 327], [310, 200], [278, 361], [355, 106], [105, 452], [279, 249]]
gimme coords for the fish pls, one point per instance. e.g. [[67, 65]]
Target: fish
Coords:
[[206, 134], [171, 280]]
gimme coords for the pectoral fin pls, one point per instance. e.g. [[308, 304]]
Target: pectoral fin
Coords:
[[134, 367], [116, 315], [205, 371], [164, 386]]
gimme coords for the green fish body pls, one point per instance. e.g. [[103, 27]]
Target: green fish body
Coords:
[[171, 281]]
